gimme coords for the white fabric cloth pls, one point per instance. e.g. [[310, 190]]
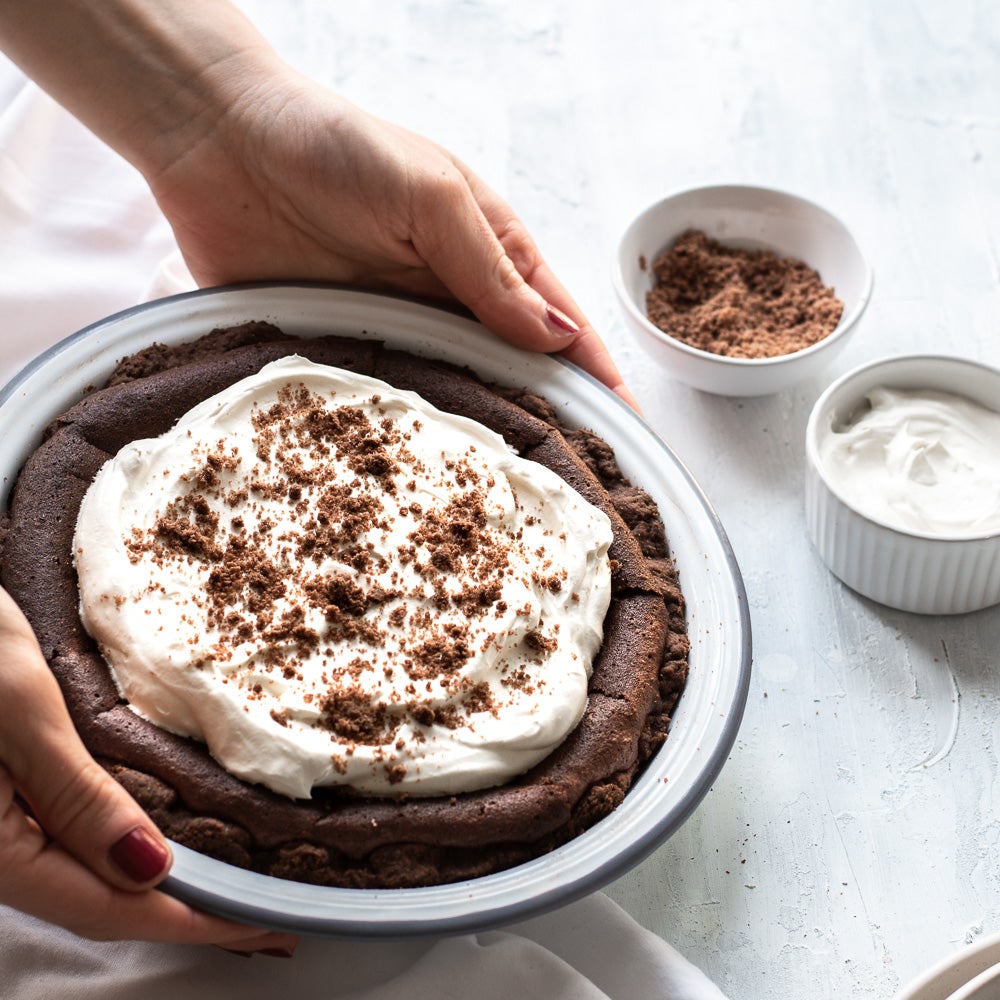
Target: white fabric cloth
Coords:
[[590, 950], [80, 235], [80, 238]]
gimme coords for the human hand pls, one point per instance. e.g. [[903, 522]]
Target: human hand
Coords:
[[264, 174], [74, 848], [292, 181]]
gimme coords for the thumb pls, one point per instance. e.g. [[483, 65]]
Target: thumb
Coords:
[[74, 801]]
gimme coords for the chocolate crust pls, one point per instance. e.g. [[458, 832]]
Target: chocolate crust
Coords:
[[338, 838]]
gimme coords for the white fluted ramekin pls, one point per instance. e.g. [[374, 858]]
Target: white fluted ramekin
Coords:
[[907, 570]]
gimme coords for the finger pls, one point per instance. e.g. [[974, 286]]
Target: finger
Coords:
[[43, 879], [587, 350], [39, 877], [451, 233], [72, 798], [522, 249]]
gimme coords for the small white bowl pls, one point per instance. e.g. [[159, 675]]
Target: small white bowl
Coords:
[[985, 986], [907, 570], [954, 972], [751, 218]]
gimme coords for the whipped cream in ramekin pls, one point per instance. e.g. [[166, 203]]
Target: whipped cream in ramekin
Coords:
[[919, 460], [331, 582]]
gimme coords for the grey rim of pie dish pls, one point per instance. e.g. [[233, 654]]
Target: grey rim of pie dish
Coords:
[[708, 715]]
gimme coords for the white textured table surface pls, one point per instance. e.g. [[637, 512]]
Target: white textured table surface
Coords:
[[853, 837]]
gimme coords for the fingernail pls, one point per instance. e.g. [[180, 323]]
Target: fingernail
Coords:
[[139, 856], [560, 321], [622, 392]]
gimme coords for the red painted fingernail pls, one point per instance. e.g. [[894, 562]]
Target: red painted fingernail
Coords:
[[139, 856], [560, 320]]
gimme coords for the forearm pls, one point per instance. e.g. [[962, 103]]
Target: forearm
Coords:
[[149, 77]]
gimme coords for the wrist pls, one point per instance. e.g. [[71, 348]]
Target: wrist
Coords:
[[190, 65], [152, 79]]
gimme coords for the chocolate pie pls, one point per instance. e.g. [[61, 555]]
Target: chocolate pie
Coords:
[[346, 834]]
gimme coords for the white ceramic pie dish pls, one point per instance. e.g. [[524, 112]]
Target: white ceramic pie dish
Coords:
[[708, 715]]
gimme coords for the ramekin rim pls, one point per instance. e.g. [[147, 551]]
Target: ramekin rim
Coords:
[[812, 451]]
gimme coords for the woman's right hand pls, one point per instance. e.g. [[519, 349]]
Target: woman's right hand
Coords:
[[265, 175], [75, 849]]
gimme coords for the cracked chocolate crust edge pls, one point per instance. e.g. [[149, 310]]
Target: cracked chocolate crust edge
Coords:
[[338, 839]]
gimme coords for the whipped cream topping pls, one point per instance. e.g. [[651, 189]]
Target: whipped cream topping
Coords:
[[919, 460], [331, 582]]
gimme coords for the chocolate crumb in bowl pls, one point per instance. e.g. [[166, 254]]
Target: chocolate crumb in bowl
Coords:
[[739, 303]]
